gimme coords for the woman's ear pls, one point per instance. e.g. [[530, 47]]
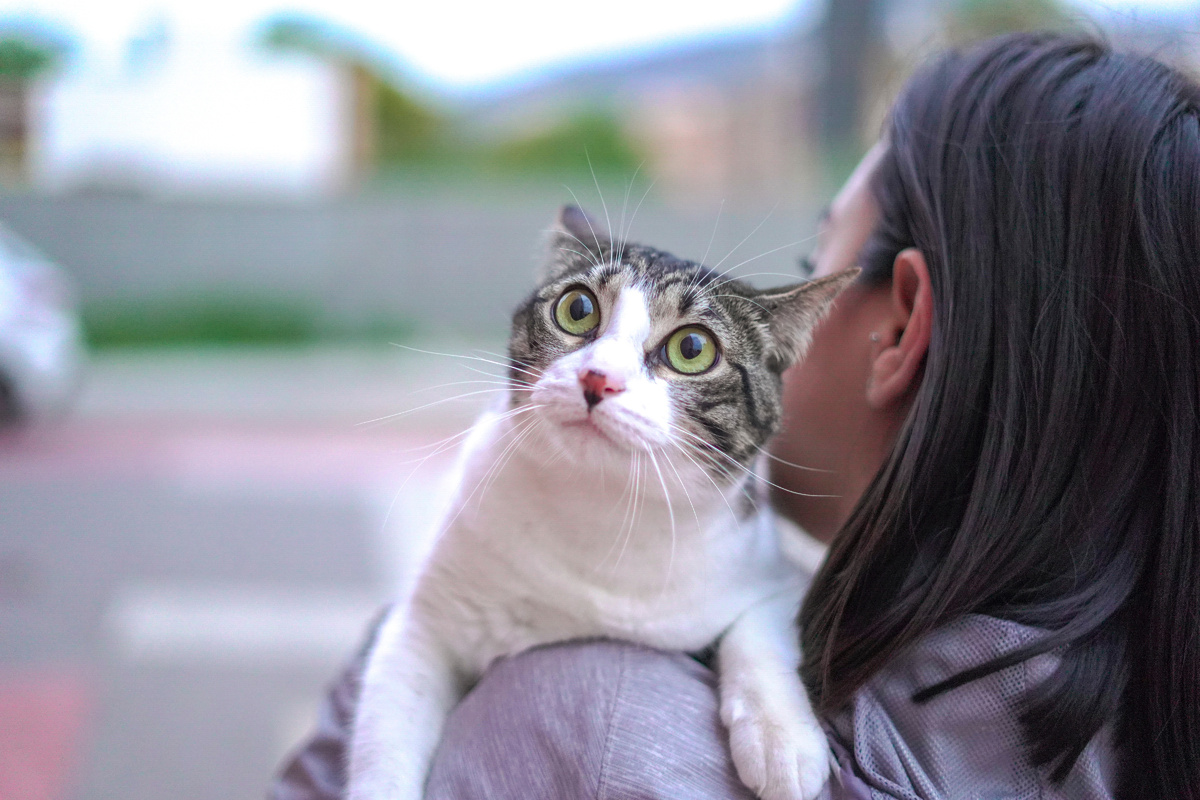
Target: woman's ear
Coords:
[[899, 355]]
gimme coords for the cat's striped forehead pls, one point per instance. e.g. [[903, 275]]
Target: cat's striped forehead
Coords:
[[671, 285]]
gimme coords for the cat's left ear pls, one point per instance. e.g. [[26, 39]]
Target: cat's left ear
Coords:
[[795, 312], [575, 236]]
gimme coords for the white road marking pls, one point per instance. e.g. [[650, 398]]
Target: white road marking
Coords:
[[238, 625]]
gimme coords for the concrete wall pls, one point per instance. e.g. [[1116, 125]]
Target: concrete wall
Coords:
[[443, 263]]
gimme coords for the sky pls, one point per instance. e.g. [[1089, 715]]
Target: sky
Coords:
[[449, 44], [457, 43]]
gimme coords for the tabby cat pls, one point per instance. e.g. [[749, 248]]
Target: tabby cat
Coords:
[[613, 494]]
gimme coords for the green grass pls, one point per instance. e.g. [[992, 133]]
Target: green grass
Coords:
[[224, 320]]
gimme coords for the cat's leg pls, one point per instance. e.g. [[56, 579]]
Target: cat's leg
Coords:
[[778, 746], [409, 687]]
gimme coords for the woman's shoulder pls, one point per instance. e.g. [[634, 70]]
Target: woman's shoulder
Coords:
[[968, 739]]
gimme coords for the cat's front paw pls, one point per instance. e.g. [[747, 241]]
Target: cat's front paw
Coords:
[[778, 747]]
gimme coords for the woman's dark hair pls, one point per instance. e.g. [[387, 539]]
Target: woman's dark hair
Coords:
[[1049, 470]]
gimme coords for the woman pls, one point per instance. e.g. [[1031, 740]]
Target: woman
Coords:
[[1005, 406]]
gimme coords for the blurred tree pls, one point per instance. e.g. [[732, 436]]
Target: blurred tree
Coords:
[[23, 56], [25, 53], [300, 34], [405, 129], [396, 130], [970, 20], [392, 126], [590, 139]]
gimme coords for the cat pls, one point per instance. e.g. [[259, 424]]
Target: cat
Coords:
[[612, 495]]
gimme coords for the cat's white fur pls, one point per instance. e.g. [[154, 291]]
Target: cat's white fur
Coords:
[[569, 524]]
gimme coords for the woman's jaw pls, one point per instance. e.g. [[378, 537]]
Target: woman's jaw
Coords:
[[845, 402]]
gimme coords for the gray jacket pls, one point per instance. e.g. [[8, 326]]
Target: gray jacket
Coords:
[[615, 721]]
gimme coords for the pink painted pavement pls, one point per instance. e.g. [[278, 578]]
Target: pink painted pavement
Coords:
[[43, 717]]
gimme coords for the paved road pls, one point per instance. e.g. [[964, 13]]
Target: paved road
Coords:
[[186, 560]]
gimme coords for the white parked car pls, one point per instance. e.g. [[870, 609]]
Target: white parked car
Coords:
[[41, 339]]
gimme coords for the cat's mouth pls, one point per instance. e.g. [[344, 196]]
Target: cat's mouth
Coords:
[[623, 434], [591, 424]]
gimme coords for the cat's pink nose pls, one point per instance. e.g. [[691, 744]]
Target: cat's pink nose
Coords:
[[597, 386]]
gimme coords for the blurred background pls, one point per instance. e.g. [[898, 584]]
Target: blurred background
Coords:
[[252, 256]]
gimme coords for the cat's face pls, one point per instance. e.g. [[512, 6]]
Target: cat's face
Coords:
[[626, 349]]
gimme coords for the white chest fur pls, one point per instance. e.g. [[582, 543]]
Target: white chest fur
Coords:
[[535, 549]]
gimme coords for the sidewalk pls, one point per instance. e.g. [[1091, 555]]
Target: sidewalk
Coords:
[[323, 386], [200, 545]]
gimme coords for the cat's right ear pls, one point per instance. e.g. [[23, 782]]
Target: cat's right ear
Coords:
[[575, 236], [796, 310]]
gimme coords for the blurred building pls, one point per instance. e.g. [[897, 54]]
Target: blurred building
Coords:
[[735, 117], [193, 117], [714, 119]]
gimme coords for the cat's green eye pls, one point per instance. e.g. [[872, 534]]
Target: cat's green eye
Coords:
[[577, 312], [691, 351]]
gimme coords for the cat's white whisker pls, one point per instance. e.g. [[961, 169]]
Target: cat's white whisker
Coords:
[[595, 236], [746, 299], [682, 484], [766, 452], [638, 503], [511, 450], [499, 376], [627, 496], [560, 452], [713, 237], [500, 364], [693, 437], [764, 255], [451, 440], [432, 455], [670, 516], [757, 227], [645, 194], [623, 233], [708, 447], [500, 382], [439, 447], [595, 261], [587, 253], [630, 495], [599, 191], [638, 498], [466, 502], [514, 434], [627, 514], [745, 491], [788, 275], [701, 469], [713, 271], [442, 447], [687, 494], [408, 411]]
